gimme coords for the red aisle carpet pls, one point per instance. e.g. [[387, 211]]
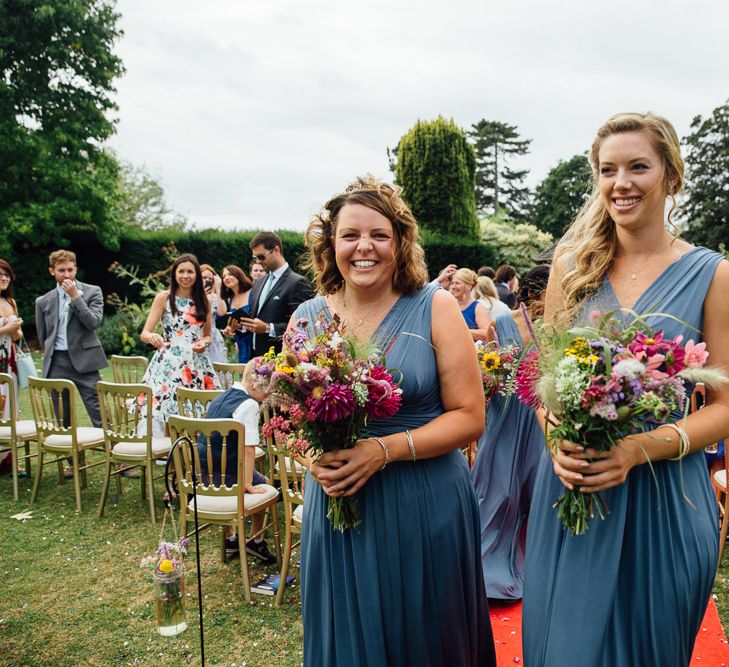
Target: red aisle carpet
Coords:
[[711, 649]]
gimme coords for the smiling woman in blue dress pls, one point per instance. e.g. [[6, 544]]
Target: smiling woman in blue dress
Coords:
[[634, 588], [405, 587]]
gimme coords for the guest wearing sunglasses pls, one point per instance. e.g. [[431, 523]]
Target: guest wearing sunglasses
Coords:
[[273, 300]]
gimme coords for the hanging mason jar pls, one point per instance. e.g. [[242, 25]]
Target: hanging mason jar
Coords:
[[170, 598]]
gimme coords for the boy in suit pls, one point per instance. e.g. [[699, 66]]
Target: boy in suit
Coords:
[[273, 300], [67, 318]]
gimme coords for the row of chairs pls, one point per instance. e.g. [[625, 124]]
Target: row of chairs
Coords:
[[130, 370], [124, 442]]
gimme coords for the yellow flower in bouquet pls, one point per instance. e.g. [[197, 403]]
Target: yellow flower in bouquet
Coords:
[[166, 566], [490, 361]]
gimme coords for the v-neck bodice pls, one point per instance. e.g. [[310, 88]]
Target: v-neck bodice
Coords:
[[679, 290], [647, 291], [405, 335]]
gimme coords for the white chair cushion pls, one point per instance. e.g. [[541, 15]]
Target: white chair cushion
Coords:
[[24, 428], [161, 444], [229, 504], [86, 435], [720, 478], [298, 466], [299, 514]]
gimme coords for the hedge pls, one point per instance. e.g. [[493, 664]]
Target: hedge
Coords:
[[145, 251]]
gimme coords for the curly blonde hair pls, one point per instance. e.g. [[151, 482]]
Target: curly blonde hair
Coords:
[[590, 243], [410, 272]]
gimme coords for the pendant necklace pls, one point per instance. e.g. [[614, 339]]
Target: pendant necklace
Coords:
[[634, 275]]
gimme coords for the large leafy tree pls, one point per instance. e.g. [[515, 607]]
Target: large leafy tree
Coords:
[[57, 72], [707, 179], [498, 186], [559, 197], [517, 244], [143, 203], [434, 164]]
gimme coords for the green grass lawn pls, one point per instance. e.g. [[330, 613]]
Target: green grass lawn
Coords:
[[74, 592]]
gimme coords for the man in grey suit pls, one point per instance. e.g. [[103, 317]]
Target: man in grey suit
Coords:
[[273, 299], [66, 319]]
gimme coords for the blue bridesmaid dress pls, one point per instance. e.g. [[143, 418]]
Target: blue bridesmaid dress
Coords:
[[633, 590], [503, 475], [405, 587]]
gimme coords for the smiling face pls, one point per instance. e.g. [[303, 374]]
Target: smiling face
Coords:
[[631, 179], [230, 281], [185, 275], [458, 288], [364, 247]]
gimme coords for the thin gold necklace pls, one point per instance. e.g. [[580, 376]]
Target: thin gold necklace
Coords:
[[634, 275], [353, 321]]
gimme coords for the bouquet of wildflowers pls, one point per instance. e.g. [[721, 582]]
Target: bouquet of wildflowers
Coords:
[[325, 389], [167, 568], [498, 367], [603, 382]]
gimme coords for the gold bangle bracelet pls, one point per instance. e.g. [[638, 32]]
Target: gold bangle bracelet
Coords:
[[382, 444], [411, 445]]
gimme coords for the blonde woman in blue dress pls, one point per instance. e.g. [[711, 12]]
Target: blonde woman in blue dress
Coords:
[[633, 590]]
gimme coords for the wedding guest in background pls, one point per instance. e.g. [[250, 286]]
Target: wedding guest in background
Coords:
[[651, 563], [444, 277], [66, 319], [487, 272], [273, 300], [240, 402], [181, 359], [10, 332], [256, 270], [212, 284], [507, 458], [417, 546], [236, 292], [474, 312], [485, 292], [506, 284]]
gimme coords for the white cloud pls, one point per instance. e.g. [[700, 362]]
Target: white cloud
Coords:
[[256, 113]]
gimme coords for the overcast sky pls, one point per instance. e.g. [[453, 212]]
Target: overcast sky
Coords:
[[253, 113]]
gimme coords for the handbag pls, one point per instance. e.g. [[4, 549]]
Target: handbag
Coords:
[[25, 365]]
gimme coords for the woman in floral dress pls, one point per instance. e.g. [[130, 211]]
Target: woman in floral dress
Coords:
[[181, 359]]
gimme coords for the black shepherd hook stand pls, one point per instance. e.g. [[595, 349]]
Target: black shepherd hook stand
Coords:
[[172, 493]]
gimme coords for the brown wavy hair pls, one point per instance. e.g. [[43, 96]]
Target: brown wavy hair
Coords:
[[410, 272], [7, 294], [588, 248], [244, 282]]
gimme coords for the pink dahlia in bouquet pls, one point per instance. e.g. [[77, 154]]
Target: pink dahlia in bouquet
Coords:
[[325, 389], [498, 367], [601, 383]]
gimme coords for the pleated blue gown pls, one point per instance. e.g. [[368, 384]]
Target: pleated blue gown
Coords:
[[503, 475], [633, 590], [405, 587]]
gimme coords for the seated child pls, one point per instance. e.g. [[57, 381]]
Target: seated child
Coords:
[[240, 402]]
